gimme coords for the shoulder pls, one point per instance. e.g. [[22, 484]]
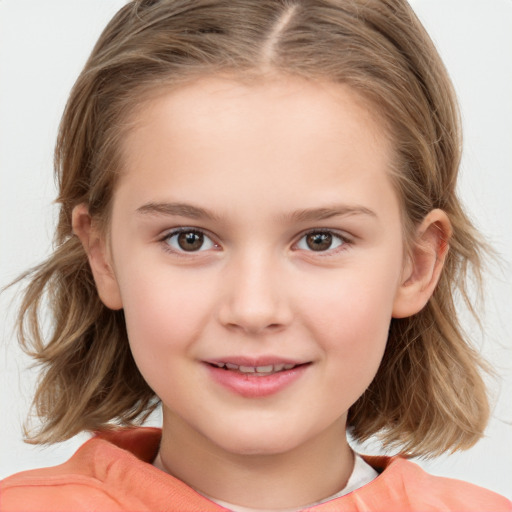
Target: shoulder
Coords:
[[57, 488], [38, 492], [403, 485], [80, 483], [111, 472]]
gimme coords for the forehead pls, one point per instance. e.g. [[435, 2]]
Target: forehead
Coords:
[[229, 99], [300, 135]]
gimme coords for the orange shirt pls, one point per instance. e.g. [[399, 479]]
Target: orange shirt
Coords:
[[113, 472]]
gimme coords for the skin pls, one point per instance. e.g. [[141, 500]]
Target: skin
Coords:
[[256, 157]]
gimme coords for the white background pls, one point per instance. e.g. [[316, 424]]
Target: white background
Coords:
[[43, 46]]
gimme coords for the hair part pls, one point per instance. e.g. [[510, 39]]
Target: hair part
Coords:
[[428, 396]]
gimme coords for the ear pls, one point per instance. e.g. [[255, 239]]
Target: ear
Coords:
[[423, 265], [98, 254]]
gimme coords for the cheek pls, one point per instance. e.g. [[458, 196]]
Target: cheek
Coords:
[[350, 318], [163, 314]]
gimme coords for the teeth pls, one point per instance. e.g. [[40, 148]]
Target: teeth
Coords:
[[247, 369], [265, 369], [262, 370]]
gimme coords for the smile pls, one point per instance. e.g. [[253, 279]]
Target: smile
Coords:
[[256, 378], [257, 371]]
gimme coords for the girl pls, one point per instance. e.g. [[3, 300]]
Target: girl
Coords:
[[259, 229]]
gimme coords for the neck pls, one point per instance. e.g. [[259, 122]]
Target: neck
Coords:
[[316, 469]]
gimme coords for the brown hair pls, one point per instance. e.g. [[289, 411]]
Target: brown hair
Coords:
[[428, 396]]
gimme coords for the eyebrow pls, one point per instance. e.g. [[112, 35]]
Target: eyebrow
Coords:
[[312, 214], [180, 209], [304, 215]]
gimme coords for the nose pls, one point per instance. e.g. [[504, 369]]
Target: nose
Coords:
[[254, 297]]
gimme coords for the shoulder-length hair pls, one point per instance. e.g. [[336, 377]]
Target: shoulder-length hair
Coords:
[[428, 396]]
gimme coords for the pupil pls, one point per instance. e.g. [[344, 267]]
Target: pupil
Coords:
[[190, 241], [319, 241]]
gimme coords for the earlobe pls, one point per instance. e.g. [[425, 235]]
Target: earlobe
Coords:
[[424, 264], [95, 246]]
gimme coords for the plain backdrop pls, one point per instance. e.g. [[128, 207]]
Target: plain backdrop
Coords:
[[43, 46]]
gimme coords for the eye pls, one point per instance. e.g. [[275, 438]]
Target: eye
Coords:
[[320, 241], [188, 240]]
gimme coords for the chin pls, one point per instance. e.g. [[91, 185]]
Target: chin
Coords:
[[259, 443]]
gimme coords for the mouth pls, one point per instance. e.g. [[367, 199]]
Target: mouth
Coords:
[[257, 371], [256, 377]]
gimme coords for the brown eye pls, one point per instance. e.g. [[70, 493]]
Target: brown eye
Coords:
[[192, 240], [320, 241]]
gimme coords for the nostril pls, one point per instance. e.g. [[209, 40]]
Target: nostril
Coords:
[[251, 317], [253, 328]]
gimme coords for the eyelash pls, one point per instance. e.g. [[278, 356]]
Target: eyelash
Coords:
[[176, 232], [344, 241]]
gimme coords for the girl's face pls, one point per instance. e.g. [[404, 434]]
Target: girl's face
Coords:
[[256, 245]]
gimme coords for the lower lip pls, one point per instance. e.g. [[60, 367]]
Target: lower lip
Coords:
[[250, 386]]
